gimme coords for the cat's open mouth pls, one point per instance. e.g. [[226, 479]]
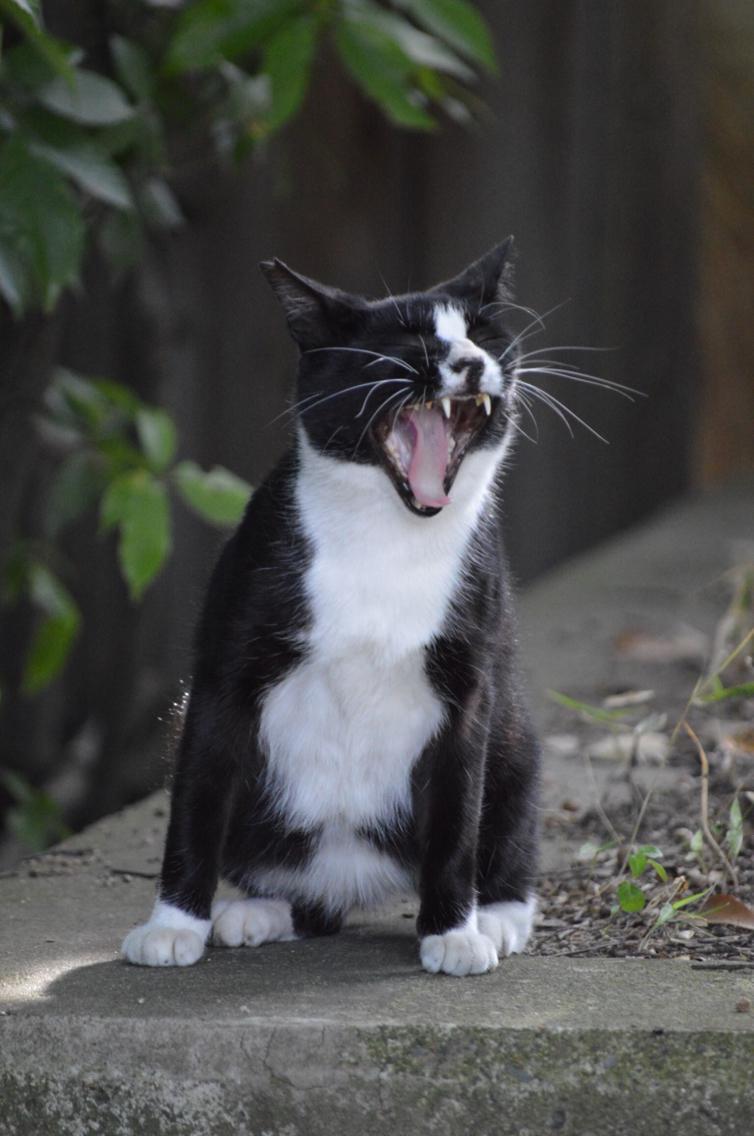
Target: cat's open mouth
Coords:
[[422, 447]]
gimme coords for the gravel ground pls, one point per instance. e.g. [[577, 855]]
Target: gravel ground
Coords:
[[579, 910]]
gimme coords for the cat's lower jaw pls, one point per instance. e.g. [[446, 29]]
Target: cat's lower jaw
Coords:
[[170, 937]]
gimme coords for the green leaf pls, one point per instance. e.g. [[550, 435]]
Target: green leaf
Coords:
[[459, 23], [630, 897], [383, 71], [159, 205], [637, 862], [133, 67], [598, 713], [734, 837], [695, 898], [77, 484], [659, 869], [157, 435], [36, 819], [54, 637], [212, 30], [90, 406], [665, 914], [137, 503], [218, 496], [422, 49], [287, 60], [39, 58], [15, 286], [720, 693], [92, 171], [87, 98], [696, 844], [40, 220], [24, 13]]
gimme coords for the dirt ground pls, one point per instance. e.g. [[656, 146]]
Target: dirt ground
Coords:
[[666, 825]]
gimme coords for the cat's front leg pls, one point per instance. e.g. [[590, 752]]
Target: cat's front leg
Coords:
[[450, 941], [178, 928]]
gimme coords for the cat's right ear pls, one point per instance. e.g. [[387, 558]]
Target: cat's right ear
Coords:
[[317, 314]]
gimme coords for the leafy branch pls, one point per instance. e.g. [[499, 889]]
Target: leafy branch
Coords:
[[116, 455]]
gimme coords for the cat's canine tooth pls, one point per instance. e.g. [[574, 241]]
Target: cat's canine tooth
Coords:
[[429, 404], [487, 404], [445, 406]]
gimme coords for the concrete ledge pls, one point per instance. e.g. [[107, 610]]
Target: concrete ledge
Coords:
[[346, 1034]]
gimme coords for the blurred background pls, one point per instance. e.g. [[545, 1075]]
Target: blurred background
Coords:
[[152, 153]]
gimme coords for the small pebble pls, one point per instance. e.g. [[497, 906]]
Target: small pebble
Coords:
[[140, 1001], [743, 1005]]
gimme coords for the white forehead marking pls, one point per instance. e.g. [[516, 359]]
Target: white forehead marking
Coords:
[[449, 322]]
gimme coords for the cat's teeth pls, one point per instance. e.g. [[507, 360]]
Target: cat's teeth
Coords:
[[429, 404], [445, 406], [487, 404]]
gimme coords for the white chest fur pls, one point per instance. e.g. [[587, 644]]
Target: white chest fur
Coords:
[[343, 730]]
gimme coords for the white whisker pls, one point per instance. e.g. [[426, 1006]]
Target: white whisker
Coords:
[[363, 351], [580, 377], [301, 404], [561, 409], [538, 320], [383, 405], [374, 388]]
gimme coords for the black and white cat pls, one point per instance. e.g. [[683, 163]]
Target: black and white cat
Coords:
[[356, 726]]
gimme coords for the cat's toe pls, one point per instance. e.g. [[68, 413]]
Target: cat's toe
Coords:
[[458, 953], [508, 925], [251, 922], [162, 946]]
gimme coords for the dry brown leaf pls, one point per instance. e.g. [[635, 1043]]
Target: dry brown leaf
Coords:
[[727, 909]]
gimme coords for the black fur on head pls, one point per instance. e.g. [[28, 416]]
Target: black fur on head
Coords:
[[373, 373]]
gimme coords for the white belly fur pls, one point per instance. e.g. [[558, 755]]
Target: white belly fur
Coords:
[[343, 730]]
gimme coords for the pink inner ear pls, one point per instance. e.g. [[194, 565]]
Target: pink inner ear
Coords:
[[427, 435]]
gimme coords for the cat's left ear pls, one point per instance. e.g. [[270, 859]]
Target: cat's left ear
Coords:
[[317, 314], [485, 280]]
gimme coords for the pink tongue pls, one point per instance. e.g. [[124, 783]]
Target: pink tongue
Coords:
[[429, 457]]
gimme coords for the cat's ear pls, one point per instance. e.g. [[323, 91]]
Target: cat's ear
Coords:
[[317, 314], [487, 279]]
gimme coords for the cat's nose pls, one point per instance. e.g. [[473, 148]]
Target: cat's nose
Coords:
[[472, 369]]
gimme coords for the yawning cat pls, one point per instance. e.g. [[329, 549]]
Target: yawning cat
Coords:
[[356, 727]]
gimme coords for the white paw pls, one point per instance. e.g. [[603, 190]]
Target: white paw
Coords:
[[458, 952], [251, 922], [508, 924], [171, 938]]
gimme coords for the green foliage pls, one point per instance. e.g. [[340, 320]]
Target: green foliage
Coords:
[[734, 836], [136, 504], [84, 153], [35, 819], [117, 455], [57, 626], [71, 137], [630, 896], [587, 711], [217, 496], [671, 909], [122, 451], [647, 855]]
